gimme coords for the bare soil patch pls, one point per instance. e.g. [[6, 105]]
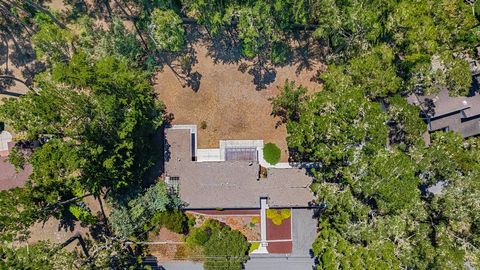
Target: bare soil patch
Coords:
[[165, 252], [228, 101]]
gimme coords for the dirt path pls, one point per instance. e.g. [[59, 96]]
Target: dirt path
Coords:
[[228, 101]]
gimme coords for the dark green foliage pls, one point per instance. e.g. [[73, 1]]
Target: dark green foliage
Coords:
[[198, 237], [458, 76], [337, 252], [175, 221], [477, 10], [17, 159], [271, 153], [82, 214], [140, 213], [54, 167], [287, 104], [259, 23], [375, 72], [256, 26], [224, 248], [98, 124], [17, 213], [389, 179], [371, 186], [279, 53], [333, 124], [78, 71], [95, 116], [406, 126]]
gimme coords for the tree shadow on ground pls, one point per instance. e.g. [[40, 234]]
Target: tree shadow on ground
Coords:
[[159, 146], [99, 229], [22, 54], [79, 7], [3, 51], [6, 83], [182, 63], [21, 57], [31, 70], [67, 222], [307, 53], [263, 74], [225, 48]]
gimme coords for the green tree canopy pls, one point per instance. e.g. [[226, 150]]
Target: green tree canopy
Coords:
[[224, 248], [97, 127], [137, 215], [51, 42], [41, 255], [375, 72], [166, 30]]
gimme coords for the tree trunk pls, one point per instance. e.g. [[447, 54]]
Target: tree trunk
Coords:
[[7, 14], [53, 207], [133, 20], [18, 80], [76, 236], [103, 213]]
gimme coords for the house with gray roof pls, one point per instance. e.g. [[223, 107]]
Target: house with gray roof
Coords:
[[234, 176], [446, 113]]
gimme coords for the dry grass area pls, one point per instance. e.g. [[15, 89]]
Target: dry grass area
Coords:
[[165, 252], [16, 60], [228, 101], [56, 232]]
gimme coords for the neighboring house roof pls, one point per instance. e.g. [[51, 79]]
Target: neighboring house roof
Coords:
[[9, 178], [445, 104], [230, 184], [459, 114]]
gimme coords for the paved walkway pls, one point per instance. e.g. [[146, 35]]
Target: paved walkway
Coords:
[[304, 233], [275, 262], [181, 265], [263, 227]]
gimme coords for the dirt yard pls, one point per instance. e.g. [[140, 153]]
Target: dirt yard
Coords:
[[248, 225], [55, 231], [227, 100]]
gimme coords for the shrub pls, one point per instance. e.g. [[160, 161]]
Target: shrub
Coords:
[[255, 220], [175, 221], [198, 237], [277, 216], [271, 153], [225, 248], [285, 213], [203, 125], [191, 221], [253, 246]]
